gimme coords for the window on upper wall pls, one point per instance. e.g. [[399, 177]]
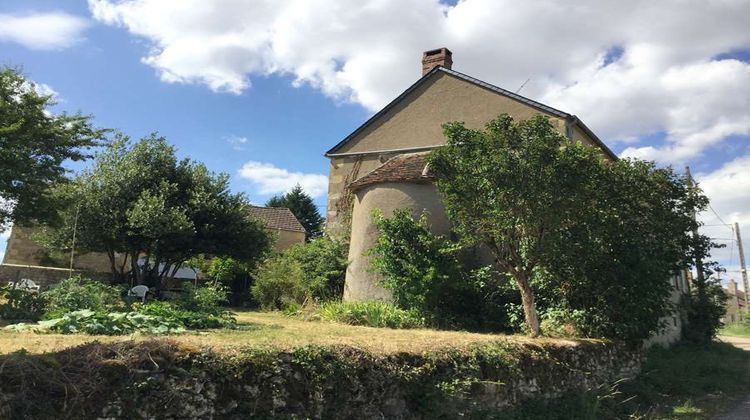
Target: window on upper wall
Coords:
[[569, 131]]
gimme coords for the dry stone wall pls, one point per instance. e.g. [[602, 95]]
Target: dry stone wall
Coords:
[[160, 379]]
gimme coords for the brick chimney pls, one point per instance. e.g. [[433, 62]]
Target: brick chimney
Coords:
[[433, 58]]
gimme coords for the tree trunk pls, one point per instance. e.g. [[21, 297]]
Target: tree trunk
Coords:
[[529, 307]]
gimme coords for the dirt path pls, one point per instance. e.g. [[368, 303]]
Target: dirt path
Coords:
[[742, 411]]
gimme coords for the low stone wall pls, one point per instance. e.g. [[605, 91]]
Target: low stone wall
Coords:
[[43, 276], [160, 379]]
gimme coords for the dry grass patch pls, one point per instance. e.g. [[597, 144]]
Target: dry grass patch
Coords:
[[278, 331]]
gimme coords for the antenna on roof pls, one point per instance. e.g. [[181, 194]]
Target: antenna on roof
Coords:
[[523, 84]]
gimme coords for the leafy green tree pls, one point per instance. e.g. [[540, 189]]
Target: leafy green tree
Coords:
[[140, 202], [426, 273], [34, 143], [599, 239], [706, 304], [511, 187], [304, 209], [610, 268]]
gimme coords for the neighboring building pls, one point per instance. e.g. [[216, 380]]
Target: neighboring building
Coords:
[[381, 164], [736, 307], [22, 252], [282, 223]]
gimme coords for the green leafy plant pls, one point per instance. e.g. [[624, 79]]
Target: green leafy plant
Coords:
[[278, 282], [372, 313], [207, 298], [21, 304], [193, 320], [424, 272], [77, 293], [112, 323], [306, 272]]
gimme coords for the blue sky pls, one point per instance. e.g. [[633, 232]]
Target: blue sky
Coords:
[[269, 86]]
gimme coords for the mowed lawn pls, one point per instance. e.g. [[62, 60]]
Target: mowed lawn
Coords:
[[279, 331]]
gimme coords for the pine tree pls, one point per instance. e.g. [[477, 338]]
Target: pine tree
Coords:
[[304, 209]]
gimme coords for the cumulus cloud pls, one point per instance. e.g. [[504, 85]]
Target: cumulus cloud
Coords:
[[42, 31], [272, 180], [729, 190], [629, 69]]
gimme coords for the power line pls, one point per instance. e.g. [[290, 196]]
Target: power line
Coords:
[[719, 217]]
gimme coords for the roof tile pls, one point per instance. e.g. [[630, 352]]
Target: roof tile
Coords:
[[410, 167], [276, 218]]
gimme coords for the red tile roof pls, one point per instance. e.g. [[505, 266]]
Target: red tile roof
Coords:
[[276, 218], [410, 167]]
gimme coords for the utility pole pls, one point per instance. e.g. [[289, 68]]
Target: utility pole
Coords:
[[743, 269]]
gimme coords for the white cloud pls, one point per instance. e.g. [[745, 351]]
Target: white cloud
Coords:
[[237, 142], [367, 52], [42, 31], [272, 180], [728, 188]]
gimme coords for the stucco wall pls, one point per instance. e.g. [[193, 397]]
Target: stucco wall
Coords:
[[286, 238], [674, 323], [361, 282], [417, 122], [23, 250], [43, 276]]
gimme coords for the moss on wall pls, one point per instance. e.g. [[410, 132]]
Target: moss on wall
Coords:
[[161, 379]]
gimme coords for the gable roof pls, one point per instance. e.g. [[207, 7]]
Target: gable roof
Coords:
[[530, 102], [410, 167], [276, 218]]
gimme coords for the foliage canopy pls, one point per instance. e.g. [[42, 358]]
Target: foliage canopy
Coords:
[[139, 201], [34, 143], [596, 239]]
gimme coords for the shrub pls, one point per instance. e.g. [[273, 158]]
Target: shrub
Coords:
[[205, 299], [323, 261], [372, 313], [312, 271], [78, 293], [278, 282], [423, 271], [234, 274], [20, 304]]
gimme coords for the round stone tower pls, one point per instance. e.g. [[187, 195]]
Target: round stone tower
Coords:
[[402, 182]]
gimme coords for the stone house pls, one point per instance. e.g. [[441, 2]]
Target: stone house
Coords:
[[736, 306], [26, 258], [382, 163]]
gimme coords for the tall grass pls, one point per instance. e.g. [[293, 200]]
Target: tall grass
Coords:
[[736, 330], [371, 313]]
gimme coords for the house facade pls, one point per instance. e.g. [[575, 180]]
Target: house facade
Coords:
[[736, 306], [382, 163]]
